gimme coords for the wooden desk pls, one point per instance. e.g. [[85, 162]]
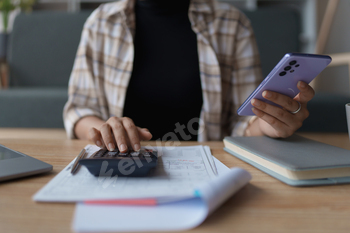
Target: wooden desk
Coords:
[[264, 205]]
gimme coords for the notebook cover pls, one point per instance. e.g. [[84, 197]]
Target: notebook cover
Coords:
[[314, 182], [295, 153]]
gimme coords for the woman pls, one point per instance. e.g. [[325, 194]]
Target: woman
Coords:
[[179, 68]]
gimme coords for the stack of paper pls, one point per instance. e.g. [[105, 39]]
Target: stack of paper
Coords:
[[186, 186]]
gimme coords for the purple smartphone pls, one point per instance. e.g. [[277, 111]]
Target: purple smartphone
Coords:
[[291, 69]]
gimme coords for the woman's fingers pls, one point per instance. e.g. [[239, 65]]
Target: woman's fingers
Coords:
[[282, 100], [284, 121], [144, 134], [280, 128], [132, 133], [120, 136], [268, 110], [96, 137], [306, 92], [107, 136], [121, 133]]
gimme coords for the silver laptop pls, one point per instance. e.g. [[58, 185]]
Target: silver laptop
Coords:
[[14, 164]]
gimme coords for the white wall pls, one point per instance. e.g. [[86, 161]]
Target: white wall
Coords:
[[336, 79]]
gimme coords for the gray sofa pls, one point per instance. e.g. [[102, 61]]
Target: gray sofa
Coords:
[[43, 47], [41, 52]]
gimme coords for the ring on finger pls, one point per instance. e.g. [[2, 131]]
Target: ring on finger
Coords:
[[296, 111]]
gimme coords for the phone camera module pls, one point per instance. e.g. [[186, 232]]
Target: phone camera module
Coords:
[[287, 68], [297, 65], [283, 73], [292, 62]]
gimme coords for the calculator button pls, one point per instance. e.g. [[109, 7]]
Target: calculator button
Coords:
[[100, 153], [123, 154], [111, 154], [134, 153]]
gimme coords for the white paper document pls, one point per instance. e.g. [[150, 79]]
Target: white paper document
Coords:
[[188, 184], [179, 171], [180, 215]]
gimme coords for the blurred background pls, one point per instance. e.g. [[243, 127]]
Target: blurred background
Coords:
[[309, 26], [334, 79]]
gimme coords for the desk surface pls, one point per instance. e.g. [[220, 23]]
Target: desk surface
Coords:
[[264, 205]]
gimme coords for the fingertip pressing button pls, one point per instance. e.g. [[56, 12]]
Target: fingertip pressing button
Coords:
[[137, 147], [111, 146], [123, 147]]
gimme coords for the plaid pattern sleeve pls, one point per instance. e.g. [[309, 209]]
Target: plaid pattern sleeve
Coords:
[[230, 67], [86, 85], [82, 96], [228, 56], [246, 75]]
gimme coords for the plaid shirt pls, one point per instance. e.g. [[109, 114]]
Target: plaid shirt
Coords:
[[228, 57]]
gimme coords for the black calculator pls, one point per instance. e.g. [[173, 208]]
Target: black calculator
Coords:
[[128, 164]]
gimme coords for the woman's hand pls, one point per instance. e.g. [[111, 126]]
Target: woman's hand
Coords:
[[274, 121], [119, 132]]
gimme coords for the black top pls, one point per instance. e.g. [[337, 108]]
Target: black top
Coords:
[[165, 86]]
